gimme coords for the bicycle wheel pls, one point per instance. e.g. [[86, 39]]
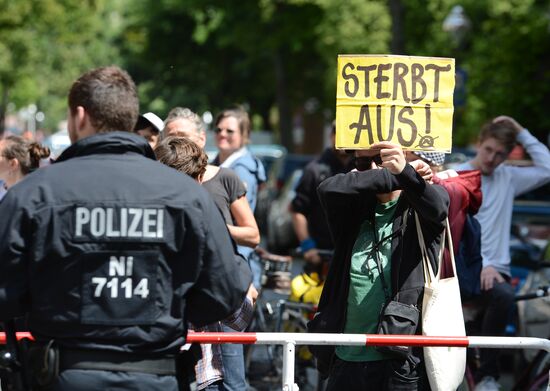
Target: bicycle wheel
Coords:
[[259, 359]]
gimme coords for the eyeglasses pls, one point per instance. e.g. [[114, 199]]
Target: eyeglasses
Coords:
[[363, 163], [228, 131]]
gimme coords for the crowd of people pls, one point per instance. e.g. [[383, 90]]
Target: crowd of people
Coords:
[[144, 240]]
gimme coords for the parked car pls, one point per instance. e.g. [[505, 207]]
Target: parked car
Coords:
[[280, 233], [57, 142], [276, 197], [272, 157]]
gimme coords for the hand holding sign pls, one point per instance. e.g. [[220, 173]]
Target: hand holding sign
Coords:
[[398, 99], [423, 169], [392, 156]]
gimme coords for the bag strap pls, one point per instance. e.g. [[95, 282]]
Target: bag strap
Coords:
[[450, 246], [376, 248], [446, 241], [427, 267]]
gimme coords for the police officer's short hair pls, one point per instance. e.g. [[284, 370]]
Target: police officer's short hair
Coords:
[[109, 96]]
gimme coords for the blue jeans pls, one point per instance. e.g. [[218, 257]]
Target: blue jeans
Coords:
[[234, 377], [256, 266]]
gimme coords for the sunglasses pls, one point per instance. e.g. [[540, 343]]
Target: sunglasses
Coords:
[[228, 131], [363, 163]]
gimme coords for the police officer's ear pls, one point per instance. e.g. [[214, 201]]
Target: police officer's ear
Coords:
[[82, 123]]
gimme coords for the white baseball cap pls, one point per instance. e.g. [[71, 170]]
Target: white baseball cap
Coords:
[[147, 119]]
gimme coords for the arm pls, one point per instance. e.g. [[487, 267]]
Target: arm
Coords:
[[241, 318], [431, 202], [300, 208], [528, 178], [299, 223], [245, 232], [307, 244], [15, 234]]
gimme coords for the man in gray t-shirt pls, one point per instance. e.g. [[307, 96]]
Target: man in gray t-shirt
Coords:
[[500, 184]]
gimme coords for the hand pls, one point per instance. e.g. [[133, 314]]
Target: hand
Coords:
[[393, 157], [312, 256], [446, 174], [252, 294], [509, 121], [488, 276], [423, 169]]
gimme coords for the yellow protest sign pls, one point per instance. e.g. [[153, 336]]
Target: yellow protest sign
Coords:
[[402, 99]]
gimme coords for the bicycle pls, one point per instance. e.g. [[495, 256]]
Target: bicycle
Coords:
[[262, 362], [535, 376], [289, 314], [295, 312]]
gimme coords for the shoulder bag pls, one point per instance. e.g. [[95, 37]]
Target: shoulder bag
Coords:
[[442, 316]]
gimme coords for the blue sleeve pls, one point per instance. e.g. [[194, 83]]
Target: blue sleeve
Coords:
[[250, 182]]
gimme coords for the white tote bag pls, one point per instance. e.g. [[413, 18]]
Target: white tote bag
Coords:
[[442, 316]]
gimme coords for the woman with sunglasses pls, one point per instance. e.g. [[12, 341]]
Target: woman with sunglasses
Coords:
[[232, 129]]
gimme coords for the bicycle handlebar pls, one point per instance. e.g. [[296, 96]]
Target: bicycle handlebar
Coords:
[[323, 253], [542, 291], [297, 305]]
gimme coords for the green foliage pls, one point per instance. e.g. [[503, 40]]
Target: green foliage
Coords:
[[45, 44], [505, 54], [266, 54]]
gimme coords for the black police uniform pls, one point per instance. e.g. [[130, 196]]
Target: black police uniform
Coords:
[[111, 253]]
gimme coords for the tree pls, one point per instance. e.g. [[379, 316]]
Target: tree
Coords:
[[44, 44]]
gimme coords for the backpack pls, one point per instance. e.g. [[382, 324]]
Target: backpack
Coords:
[[468, 260]]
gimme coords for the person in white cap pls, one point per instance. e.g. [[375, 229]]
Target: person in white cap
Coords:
[[149, 125]]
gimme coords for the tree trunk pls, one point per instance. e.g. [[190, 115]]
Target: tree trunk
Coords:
[[397, 12], [3, 109], [285, 120]]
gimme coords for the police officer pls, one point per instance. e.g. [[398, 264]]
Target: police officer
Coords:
[[110, 253]]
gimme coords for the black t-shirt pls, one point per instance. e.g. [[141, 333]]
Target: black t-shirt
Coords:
[[225, 188]]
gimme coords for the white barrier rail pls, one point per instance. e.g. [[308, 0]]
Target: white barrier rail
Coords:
[[290, 340]]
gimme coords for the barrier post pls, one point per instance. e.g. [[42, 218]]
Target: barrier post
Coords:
[[289, 358]]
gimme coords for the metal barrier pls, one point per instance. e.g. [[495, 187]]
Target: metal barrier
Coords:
[[290, 340]]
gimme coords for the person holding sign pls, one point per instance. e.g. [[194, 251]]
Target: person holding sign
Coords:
[[500, 184], [377, 264]]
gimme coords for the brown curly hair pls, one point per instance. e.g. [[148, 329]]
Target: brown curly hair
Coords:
[[182, 154], [27, 153]]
